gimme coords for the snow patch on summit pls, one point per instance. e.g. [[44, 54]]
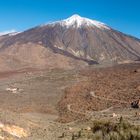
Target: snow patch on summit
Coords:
[[76, 21]]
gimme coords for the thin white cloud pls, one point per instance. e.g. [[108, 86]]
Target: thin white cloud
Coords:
[[7, 32]]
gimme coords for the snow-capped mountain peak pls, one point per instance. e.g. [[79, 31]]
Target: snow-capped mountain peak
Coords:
[[77, 21]]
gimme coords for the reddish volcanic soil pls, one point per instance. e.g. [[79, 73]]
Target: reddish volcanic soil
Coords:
[[120, 83]]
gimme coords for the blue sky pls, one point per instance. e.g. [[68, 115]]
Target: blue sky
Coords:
[[123, 15]]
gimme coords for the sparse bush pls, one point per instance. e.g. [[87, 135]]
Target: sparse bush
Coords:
[[104, 130]]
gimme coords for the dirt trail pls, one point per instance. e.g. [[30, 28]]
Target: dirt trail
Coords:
[[88, 113], [107, 99]]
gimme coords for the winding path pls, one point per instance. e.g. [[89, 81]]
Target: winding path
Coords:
[[91, 113], [107, 99]]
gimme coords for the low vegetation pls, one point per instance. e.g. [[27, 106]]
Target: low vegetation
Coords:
[[105, 130]]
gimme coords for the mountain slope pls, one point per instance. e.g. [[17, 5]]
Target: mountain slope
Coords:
[[76, 38]]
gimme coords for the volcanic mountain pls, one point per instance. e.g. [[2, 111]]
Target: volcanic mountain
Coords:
[[69, 43]]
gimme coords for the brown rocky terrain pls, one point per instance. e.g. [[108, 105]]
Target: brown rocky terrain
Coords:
[[39, 98], [115, 87]]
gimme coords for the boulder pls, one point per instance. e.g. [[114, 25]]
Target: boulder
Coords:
[[135, 104]]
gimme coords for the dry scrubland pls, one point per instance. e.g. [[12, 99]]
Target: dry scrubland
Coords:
[[105, 130], [60, 104]]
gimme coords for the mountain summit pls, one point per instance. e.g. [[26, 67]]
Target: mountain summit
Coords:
[[69, 43], [77, 21]]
